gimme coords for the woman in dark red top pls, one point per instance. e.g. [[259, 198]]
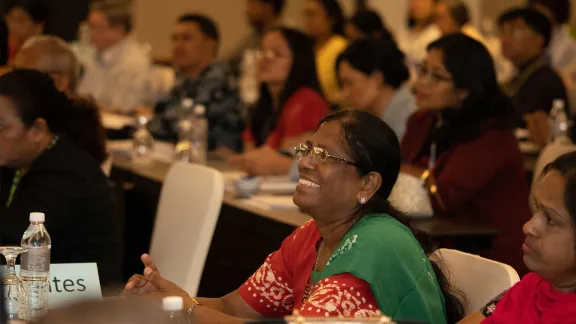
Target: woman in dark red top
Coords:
[[464, 135], [290, 106]]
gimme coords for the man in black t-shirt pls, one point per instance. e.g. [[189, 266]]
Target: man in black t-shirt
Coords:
[[525, 35]]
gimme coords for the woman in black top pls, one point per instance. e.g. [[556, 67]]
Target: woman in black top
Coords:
[[47, 165]]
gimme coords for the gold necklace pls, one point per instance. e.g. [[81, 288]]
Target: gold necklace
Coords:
[[318, 255]]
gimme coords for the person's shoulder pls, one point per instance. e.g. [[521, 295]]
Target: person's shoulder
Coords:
[[305, 232], [338, 42], [69, 160], [372, 227], [420, 116], [546, 75], [305, 97]]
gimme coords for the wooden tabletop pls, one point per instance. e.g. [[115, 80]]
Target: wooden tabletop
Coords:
[[436, 226]]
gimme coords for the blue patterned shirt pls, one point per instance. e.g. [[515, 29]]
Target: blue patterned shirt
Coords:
[[214, 88]]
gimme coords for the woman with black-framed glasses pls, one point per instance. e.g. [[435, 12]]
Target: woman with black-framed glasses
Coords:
[[356, 256], [461, 143]]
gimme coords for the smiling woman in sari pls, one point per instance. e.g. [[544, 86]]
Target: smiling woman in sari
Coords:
[[357, 256]]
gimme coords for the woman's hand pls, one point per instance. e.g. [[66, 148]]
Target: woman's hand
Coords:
[[151, 284], [538, 127]]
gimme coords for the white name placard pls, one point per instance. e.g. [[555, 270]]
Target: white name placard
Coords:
[[71, 282]]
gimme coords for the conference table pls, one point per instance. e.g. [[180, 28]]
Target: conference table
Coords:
[[246, 232]]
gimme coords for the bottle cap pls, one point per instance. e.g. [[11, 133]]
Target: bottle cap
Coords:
[[200, 110], [37, 217], [187, 103], [173, 304], [558, 103]]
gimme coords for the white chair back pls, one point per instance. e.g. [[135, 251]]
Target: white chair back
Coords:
[[189, 207], [480, 279]]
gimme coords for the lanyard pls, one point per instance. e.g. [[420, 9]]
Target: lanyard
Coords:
[[15, 181], [18, 176]]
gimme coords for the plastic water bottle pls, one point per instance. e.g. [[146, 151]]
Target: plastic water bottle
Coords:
[[199, 136], [142, 142], [559, 123], [35, 264], [174, 306]]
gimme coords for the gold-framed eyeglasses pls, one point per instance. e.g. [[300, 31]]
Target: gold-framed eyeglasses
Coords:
[[430, 76], [318, 154]]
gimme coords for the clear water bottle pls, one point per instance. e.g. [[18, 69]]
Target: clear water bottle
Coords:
[[199, 136], [143, 142], [35, 265], [174, 306], [186, 109], [559, 123]]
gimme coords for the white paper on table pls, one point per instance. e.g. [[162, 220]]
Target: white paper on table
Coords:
[[272, 202], [115, 121]]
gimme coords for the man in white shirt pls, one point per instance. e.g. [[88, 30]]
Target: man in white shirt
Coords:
[[119, 75]]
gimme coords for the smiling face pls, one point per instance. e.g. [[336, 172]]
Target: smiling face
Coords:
[[550, 245], [328, 188]]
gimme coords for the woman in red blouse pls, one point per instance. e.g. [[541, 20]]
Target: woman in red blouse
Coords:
[[290, 105], [464, 135]]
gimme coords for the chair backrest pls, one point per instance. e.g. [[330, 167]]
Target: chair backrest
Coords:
[[478, 278], [189, 207]]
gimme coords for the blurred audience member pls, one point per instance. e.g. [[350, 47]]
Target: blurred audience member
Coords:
[[324, 22], [290, 106], [50, 162], [118, 76], [366, 23], [525, 34], [261, 15], [452, 16], [53, 56], [421, 30], [373, 76], [195, 42], [3, 43], [461, 143], [108, 311], [25, 18], [562, 47]]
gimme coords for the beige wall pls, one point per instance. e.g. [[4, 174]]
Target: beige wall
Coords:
[[154, 19]]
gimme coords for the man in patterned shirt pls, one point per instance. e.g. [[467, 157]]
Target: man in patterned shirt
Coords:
[[195, 42]]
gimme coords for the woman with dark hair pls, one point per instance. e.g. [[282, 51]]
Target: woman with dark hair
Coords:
[[373, 76], [356, 256], [324, 22], [421, 30], [48, 164], [452, 16], [462, 144], [290, 104], [367, 23], [25, 19], [548, 293]]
